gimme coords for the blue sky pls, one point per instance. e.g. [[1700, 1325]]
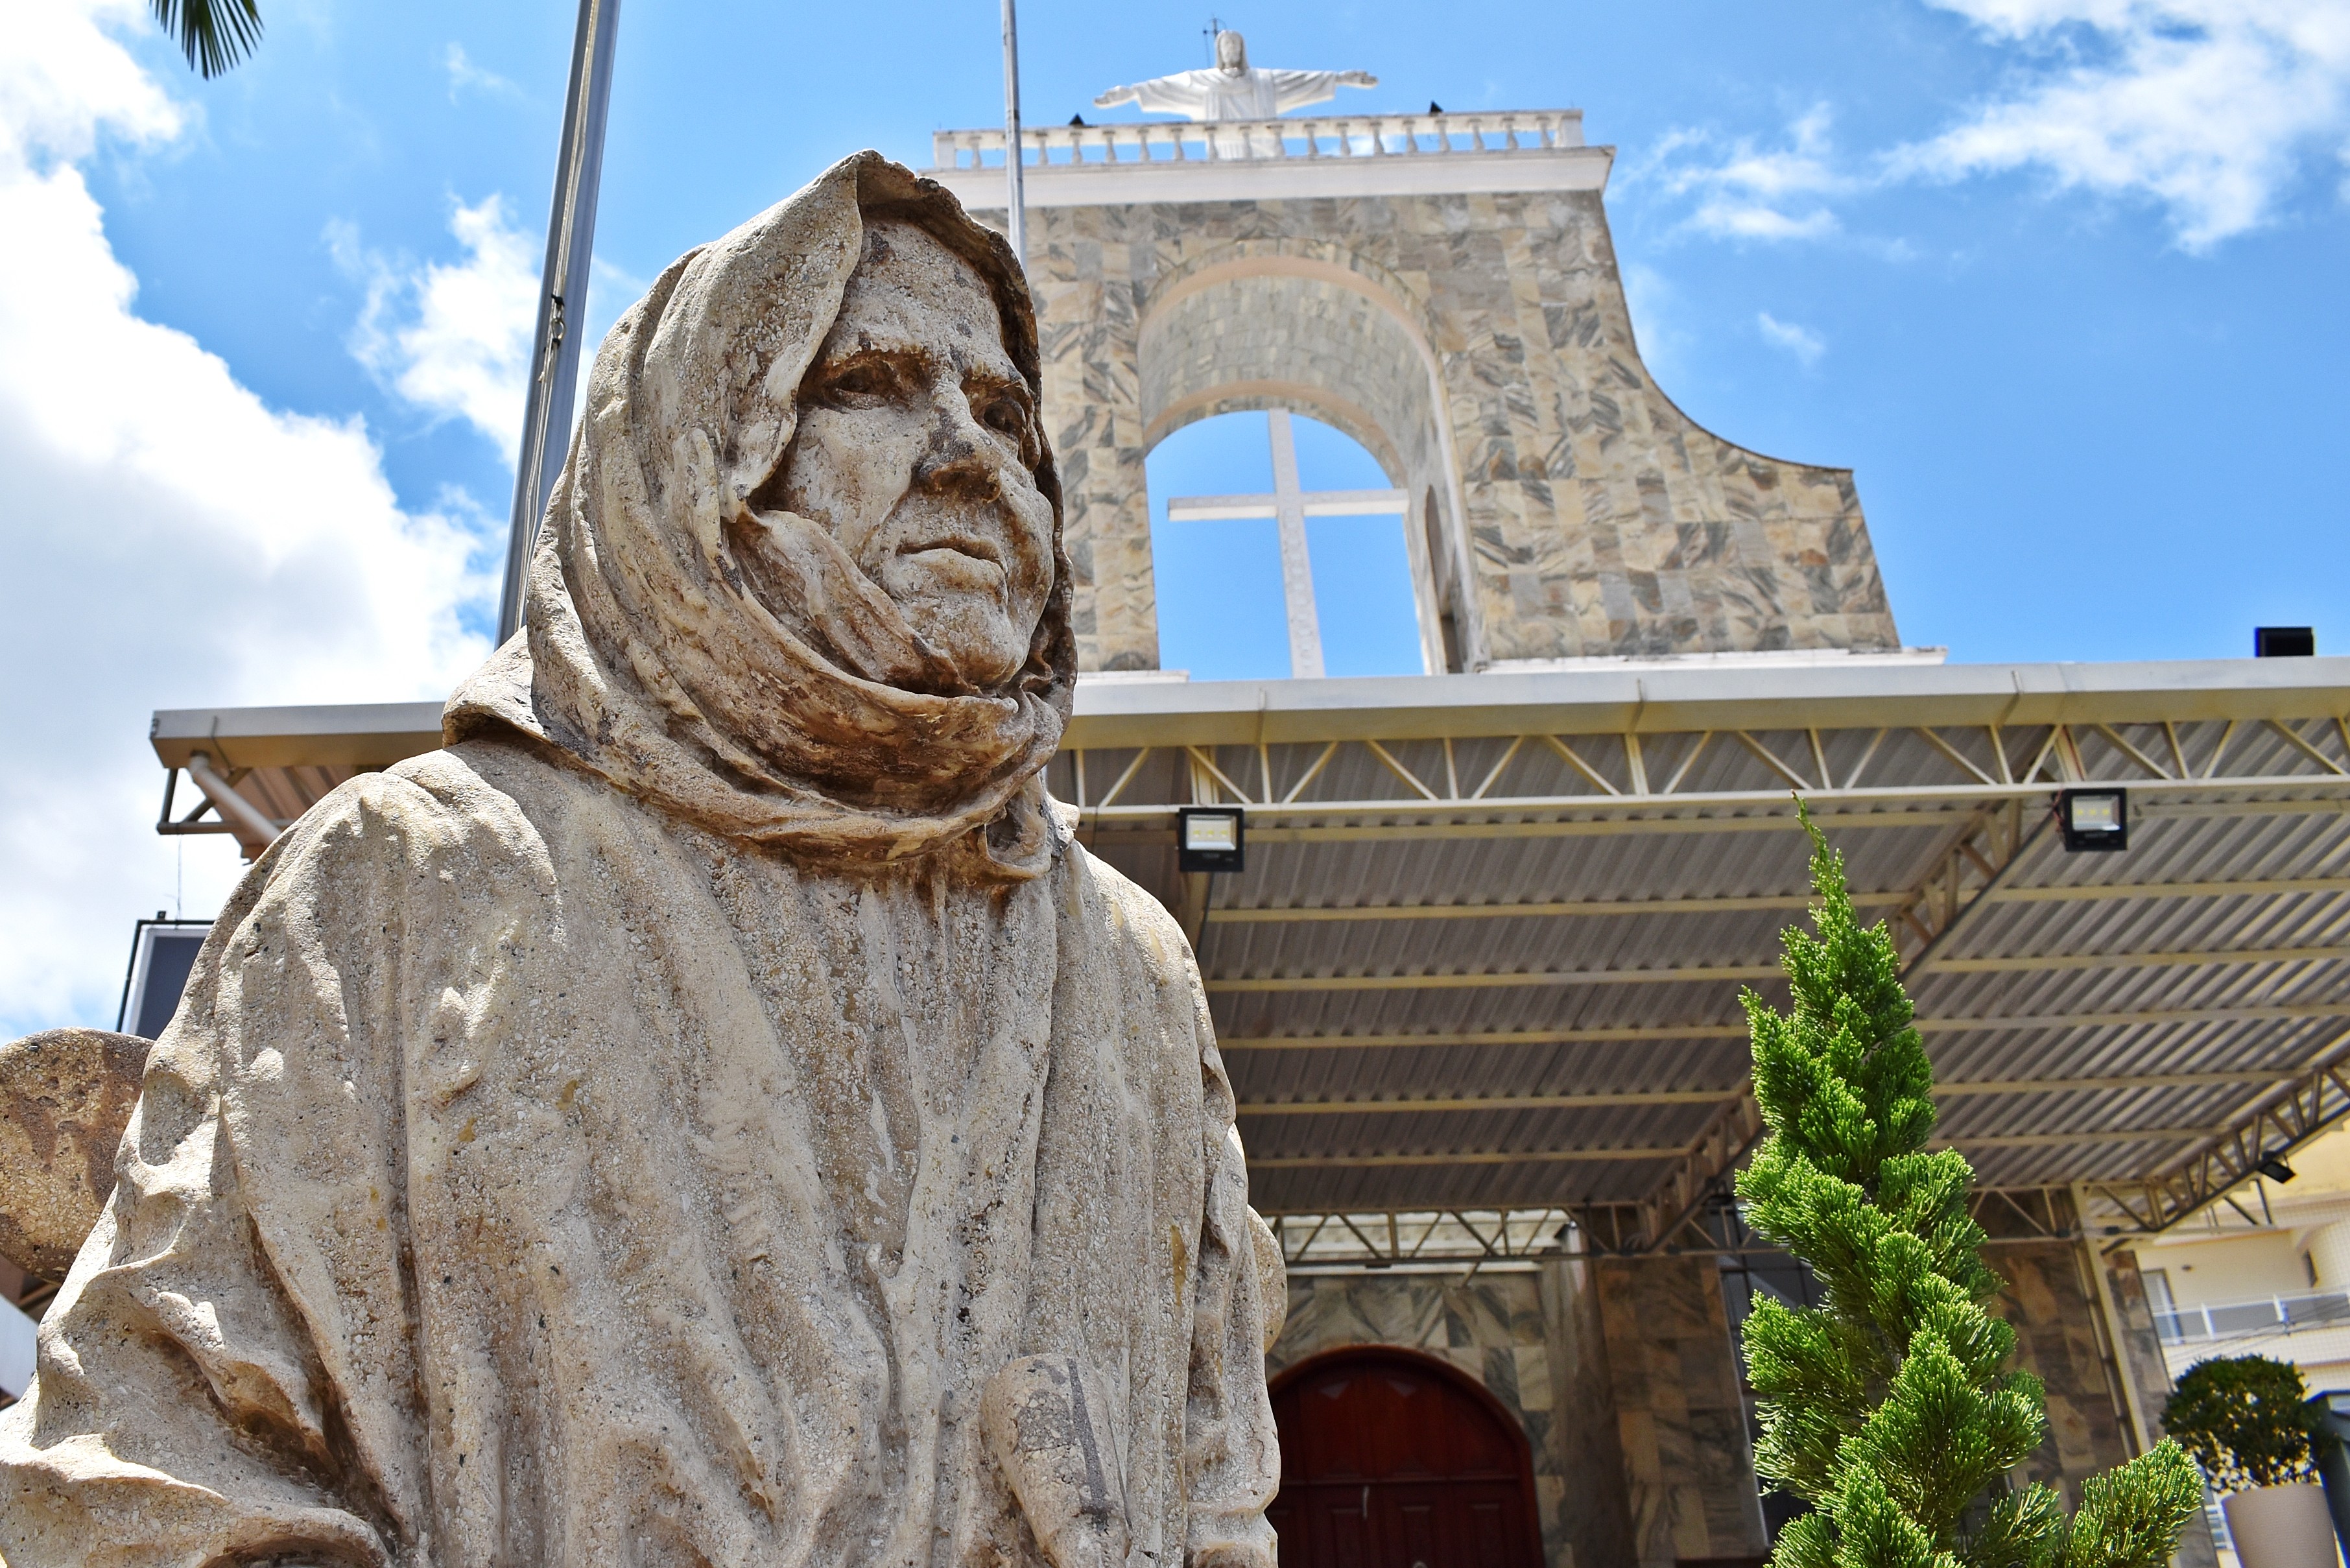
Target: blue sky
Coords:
[[2060, 279]]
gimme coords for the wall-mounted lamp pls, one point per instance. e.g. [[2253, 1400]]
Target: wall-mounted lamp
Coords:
[[1211, 838], [2095, 818]]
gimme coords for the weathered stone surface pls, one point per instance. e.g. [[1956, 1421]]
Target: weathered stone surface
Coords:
[[65, 1097], [712, 1112], [1595, 1519], [1479, 345]]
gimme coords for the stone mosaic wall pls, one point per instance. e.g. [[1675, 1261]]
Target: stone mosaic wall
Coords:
[[1490, 1327], [2054, 1311], [1681, 1424], [1482, 339], [2056, 1338], [1623, 1373], [1595, 1526], [2151, 1377]]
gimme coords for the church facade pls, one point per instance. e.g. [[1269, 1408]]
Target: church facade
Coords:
[[1444, 289]]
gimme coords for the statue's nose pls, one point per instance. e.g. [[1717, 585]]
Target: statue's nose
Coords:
[[959, 449]]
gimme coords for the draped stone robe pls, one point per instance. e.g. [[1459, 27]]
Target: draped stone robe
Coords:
[[531, 1177], [710, 1113]]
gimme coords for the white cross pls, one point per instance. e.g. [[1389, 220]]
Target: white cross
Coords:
[[1290, 507]]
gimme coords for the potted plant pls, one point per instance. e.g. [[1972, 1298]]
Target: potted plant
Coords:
[[2243, 1419]]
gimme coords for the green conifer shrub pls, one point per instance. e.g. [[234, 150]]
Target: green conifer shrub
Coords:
[[1888, 1407]]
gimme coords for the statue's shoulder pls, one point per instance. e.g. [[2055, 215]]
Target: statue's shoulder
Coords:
[[474, 793], [490, 773], [1119, 905]]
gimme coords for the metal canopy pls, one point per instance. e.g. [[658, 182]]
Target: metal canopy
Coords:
[[1487, 950]]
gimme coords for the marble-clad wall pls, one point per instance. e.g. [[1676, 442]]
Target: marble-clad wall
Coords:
[[2142, 1346], [1689, 1470], [1621, 1372], [1625, 1376], [1592, 516], [2056, 1338], [1597, 1524]]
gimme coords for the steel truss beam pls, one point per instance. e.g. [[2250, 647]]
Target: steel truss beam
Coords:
[[1406, 821], [1587, 908], [2042, 1022], [1702, 1172], [1505, 1103], [2276, 1124], [1392, 1238], [1992, 802], [1983, 765], [2026, 963], [1978, 860], [1384, 1238]]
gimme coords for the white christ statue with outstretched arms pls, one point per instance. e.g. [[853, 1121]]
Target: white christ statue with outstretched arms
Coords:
[[1233, 90]]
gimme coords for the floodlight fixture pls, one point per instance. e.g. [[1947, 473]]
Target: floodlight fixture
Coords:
[[2094, 818], [162, 953], [1211, 838], [2273, 1167], [2285, 642]]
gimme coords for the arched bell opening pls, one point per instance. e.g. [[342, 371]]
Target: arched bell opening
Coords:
[[1220, 570], [1317, 340], [1394, 1458]]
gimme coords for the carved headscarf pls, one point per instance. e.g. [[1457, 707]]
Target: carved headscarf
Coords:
[[784, 701]]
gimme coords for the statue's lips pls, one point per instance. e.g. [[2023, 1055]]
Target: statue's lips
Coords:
[[959, 554]]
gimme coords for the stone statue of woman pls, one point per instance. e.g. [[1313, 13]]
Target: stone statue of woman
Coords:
[[710, 1113]]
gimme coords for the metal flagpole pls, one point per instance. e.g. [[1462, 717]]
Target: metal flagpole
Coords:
[[562, 293], [1015, 199]]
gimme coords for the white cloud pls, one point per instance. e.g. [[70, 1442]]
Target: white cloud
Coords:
[[2207, 107], [2212, 109], [172, 541], [464, 75], [62, 80], [455, 339], [1804, 344], [1745, 192]]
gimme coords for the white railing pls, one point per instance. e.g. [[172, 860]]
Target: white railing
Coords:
[[2266, 1315], [1515, 131]]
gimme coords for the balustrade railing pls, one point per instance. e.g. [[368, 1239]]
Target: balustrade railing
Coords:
[[1141, 143], [2265, 1315]]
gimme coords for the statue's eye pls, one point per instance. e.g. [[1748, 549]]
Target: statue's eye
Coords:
[[861, 381], [1007, 415]]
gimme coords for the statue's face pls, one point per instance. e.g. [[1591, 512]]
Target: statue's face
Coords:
[[1232, 54], [917, 447]]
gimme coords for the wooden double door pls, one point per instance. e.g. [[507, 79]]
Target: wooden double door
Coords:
[[1393, 1459]]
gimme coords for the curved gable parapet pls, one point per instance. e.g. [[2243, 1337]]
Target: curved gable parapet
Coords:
[[1478, 343], [1603, 520]]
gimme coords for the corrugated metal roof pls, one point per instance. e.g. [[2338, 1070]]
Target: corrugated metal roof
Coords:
[[1656, 809]]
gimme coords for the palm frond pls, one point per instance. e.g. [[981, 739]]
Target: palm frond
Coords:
[[214, 33]]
